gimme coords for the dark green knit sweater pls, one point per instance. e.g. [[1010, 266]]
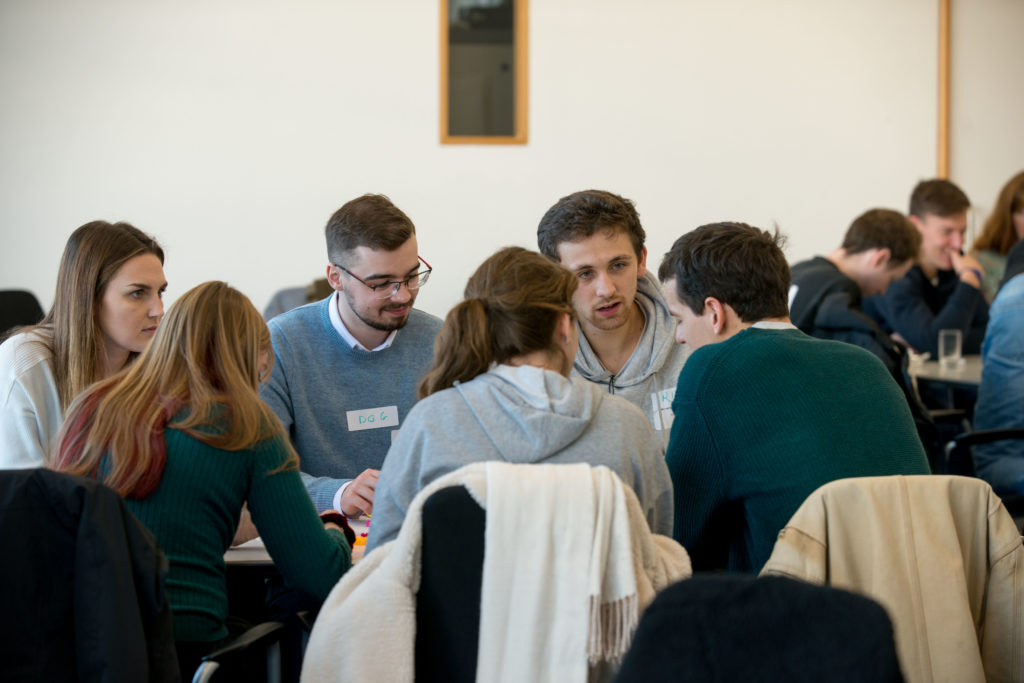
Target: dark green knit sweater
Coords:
[[765, 418], [193, 514]]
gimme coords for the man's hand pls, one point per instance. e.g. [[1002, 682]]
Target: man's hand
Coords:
[[358, 496], [896, 336], [967, 269]]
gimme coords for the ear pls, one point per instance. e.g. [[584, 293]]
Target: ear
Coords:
[[334, 277], [715, 310], [879, 258], [917, 222], [563, 328], [641, 268]]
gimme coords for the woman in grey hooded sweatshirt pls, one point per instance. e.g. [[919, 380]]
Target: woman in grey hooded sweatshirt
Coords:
[[499, 389]]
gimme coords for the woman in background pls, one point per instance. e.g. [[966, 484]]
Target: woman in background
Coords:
[[499, 389], [1003, 227], [106, 308], [183, 435]]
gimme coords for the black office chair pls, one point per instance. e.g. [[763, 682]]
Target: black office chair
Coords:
[[960, 460], [451, 577], [18, 307], [718, 629]]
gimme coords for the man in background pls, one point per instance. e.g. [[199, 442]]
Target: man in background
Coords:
[[346, 369], [626, 340], [943, 289], [826, 296]]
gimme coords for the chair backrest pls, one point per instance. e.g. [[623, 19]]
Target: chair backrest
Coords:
[[940, 553], [448, 602], [18, 307], [462, 594], [738, 628], [83, 579], [960, 450], [960, 460]]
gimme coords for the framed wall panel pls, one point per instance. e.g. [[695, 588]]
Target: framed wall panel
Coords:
[[483, 71]]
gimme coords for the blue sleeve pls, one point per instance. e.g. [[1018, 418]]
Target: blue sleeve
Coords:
[[276, 394], [1001, 392], [275, 391]]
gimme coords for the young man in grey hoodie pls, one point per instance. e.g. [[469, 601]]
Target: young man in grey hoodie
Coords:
[[627, 334]]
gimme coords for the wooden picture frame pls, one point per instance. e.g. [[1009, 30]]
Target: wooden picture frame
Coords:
[[484, 73]]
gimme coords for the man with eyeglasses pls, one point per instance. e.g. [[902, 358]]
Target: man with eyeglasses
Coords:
[[346, 369]]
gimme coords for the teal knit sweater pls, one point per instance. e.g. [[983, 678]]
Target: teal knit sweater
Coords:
[[762, 420], [194, 511]]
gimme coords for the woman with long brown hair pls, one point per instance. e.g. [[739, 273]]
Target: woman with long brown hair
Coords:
[[183, 435], [1002, 229], [106, 308], [499, 389]]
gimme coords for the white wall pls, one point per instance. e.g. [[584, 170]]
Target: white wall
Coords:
[[987, 112], [233, 130]]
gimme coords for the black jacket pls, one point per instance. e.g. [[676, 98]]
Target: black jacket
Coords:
[[81, 585], [918, 309]]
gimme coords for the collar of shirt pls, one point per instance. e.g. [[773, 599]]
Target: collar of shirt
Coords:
[[339, 327], [774, 325]]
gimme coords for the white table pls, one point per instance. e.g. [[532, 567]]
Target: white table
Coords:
[[966, 374], [249, 553], [253, 553]]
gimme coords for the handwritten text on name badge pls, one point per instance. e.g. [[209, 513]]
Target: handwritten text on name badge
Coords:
[[373, 418]]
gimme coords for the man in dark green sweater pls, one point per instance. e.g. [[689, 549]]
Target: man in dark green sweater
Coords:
[[764, 414]]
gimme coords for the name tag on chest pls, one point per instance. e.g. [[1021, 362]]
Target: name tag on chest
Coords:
[[661, 409], [372, 418]]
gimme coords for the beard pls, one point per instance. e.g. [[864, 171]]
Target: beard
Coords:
[[379, 321]]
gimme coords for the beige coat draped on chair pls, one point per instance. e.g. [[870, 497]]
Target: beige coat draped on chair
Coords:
[[940, 553]]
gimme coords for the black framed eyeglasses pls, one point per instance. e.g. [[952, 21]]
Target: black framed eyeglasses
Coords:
[[386, 290]]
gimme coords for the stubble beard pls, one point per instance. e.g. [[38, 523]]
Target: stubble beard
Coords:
[[381, 324]]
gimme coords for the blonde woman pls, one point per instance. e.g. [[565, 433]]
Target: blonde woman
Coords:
[[183, 435], [499, 389], [106, 308]]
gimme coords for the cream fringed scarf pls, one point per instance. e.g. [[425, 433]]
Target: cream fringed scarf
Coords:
[[569, 563], [557, 554]]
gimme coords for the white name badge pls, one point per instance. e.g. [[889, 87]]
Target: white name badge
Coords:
[[372, 418], [661, 409]]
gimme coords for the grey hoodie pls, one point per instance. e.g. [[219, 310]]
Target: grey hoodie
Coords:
[[520, 415], [648, 379]]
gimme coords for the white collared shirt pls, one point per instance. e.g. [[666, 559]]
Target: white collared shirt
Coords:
[[339, 327], [774, 325]]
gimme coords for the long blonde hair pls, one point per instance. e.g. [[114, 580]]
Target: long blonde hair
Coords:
[[513, 302], [206, 357], [71, 329]]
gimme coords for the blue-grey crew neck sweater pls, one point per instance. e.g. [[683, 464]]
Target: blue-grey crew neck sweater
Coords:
[[341, 406]]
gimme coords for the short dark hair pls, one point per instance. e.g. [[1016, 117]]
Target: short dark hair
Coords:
[[883, 229], [736, 263], [938, 197], [581, 214], [368, 221]]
